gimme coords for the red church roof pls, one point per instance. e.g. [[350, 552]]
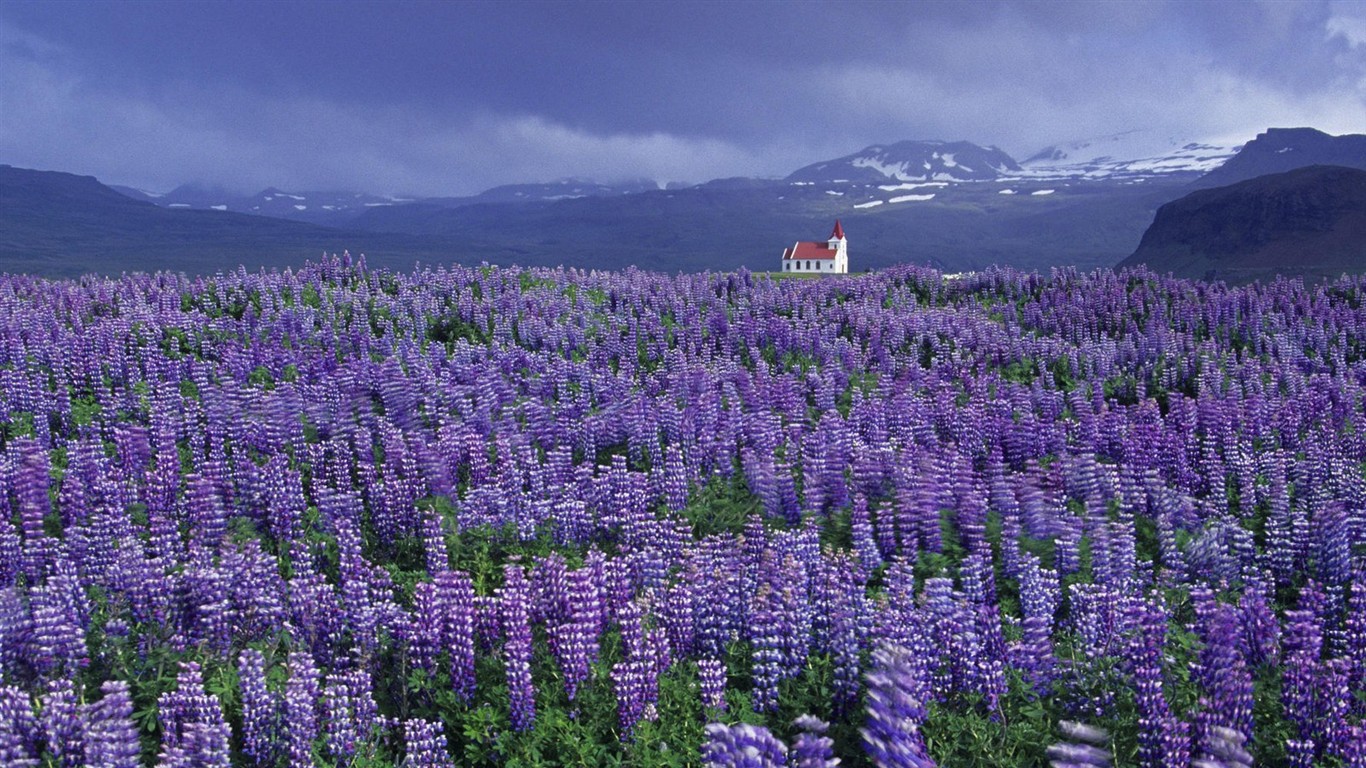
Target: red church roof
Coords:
[[838, 234], [806, 249]]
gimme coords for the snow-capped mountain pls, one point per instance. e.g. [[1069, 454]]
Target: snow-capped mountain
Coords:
[[912, 161], [1130, 154]]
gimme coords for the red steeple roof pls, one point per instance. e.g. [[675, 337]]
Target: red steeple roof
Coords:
[[838, 234]]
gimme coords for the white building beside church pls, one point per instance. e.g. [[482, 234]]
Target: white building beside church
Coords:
[[819, 258]]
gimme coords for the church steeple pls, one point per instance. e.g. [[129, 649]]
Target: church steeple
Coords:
[[839, 245]]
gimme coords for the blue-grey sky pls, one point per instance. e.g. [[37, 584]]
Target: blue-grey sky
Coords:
[[454, 97]]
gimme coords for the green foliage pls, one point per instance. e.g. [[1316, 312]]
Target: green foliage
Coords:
[[1021, 371], [261, 377], [721, 506], [448, 330]]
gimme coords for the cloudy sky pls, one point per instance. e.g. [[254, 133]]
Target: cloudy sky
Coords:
[[454, 97]]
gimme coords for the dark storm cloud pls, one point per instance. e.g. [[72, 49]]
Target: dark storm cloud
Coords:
[[443, 98]]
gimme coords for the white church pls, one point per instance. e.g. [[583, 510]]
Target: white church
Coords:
[[820, 258]]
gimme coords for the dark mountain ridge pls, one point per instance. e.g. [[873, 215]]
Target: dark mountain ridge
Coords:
[[1308, 221]]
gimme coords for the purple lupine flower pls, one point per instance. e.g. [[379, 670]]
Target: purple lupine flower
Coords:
[[514, 605], [62, 723], [488, 624], [204, 513], [31, 479], [314, 610], [1354, 627], [635, 679], [350, 716], [1222, 672], [767, 633], [111, 737], [711, 677], [194, 731], [425, 627], [1083, 747], [862, 529], [1332, 544], [261, 710], [1337, 700], [199, 745], [1224, 749], [455, 595], [742, 746], [1035, 655], [255, 590], [675, 484], [675, 612], [989, 663], [207, 618], [425, 744], [631, 681], [1261, 631], [631, 623], [549, 583], [812, 748], [891, 732], [1163, 739], [1303, 647], [18, 729], [434, 542], [55, 641], [301, 709], [979, 583], [574, 642]]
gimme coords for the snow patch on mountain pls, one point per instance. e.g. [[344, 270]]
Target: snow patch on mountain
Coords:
[[1129, 154], [900, 187]]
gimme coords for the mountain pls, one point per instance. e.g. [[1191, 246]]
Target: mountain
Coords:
[[1128, 155], [63, 225], [956, 205], [1309, 221], [911, 161], [1285, 149]]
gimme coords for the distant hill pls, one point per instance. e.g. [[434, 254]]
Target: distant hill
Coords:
[[63, 225], [1309, 221], [1285, 149], [339, 209]]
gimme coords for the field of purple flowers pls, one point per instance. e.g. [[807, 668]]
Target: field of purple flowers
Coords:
[[495, 516]]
